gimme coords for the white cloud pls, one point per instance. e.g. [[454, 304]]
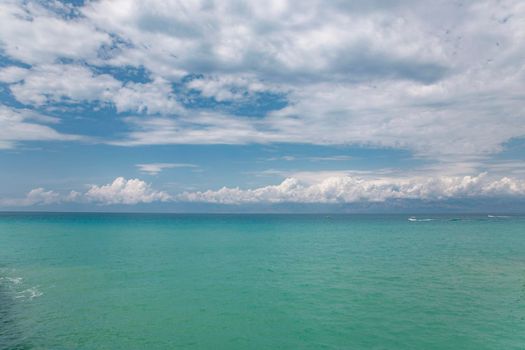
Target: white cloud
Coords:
[[36, 35], [329, 188], [444, 80], [73, 196], [231, 87], [152, 98], [122, 191], [61, 82], [25, 125], [330, 158], [155, 168], [72, 83], [37, 196], [197, 128], [347, 189], [281, 39], [12, 74], [335, 158]]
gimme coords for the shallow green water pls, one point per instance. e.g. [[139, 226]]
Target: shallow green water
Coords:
[[137, 281]]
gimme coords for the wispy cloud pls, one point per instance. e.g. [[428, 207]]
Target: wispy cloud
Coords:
[[334, 158], [155, 168], [18, 125], [331, 158]]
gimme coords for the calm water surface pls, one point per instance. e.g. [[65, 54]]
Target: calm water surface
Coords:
[[146, 281]]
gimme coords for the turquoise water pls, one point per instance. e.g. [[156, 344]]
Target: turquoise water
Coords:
[[139, 281]]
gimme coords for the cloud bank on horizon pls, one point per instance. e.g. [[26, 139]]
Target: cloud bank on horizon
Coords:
[[442, 81], [343, 189]]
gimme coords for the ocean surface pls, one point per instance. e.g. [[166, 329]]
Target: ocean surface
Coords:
[[162, 281]]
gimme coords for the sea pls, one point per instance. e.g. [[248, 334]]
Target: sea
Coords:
[[174, 281]]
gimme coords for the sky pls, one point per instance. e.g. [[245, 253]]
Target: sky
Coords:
[[264, 106]]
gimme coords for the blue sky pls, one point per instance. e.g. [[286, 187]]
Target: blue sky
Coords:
[[262, 106]]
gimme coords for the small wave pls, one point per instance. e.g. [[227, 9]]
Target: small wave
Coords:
[[29, 293], [11, 280], [19, 288], [498, 216], [413, 219]]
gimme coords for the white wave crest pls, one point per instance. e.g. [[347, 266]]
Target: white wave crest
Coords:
[[29, 293], [413, 219]]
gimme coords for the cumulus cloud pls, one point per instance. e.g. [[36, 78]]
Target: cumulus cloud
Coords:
[[155, 168], [37, 196], [25, 125], [347, 189], [301, 189], [122, 191]]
